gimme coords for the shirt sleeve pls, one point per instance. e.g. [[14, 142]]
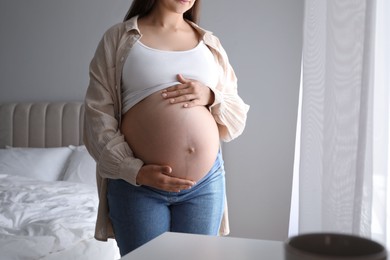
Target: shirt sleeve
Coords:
[[102, 137], [228, 109]]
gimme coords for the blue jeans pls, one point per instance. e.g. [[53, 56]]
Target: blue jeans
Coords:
[[140, 213]]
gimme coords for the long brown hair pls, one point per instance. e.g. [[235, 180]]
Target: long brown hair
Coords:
[[143, 7]]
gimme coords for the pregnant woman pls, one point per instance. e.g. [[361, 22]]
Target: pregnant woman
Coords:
[[162, 95]]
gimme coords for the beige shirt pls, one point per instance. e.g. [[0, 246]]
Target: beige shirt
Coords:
[[103, 110]]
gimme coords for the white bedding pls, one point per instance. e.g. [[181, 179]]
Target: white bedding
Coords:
[[49, 220]]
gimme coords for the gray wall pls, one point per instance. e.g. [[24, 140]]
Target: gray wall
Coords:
[[46, 46], [263, 39]]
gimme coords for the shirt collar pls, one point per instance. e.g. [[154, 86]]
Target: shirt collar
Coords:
[[132, 25]]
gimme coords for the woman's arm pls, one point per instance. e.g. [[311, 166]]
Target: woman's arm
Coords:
[[228, 109], [102, 136]]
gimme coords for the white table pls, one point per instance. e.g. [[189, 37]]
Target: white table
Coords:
[[171, 246]]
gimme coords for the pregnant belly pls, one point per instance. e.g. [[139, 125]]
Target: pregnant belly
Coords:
[[186, 139]]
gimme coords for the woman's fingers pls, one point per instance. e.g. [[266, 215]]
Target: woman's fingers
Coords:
[[175, 89], [176, 184], [179, 93], [181, 79], [178, 90], [156, 176], [189, 92]]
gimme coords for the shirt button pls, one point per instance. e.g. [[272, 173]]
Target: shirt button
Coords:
[[116, 87], [122, 59]]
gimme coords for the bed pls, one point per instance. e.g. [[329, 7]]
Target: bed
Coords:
[[48, 197]]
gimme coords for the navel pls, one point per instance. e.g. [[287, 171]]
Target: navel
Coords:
[[191, 150]]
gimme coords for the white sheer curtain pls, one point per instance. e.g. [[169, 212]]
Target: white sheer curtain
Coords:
[[343, 140], [381, 152]]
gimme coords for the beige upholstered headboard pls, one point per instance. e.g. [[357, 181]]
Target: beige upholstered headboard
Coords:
[[41, 124]]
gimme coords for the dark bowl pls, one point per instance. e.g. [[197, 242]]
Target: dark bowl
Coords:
[[333, 246]]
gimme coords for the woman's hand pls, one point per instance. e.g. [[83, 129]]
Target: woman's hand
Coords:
[[157, 176], [190, 92]]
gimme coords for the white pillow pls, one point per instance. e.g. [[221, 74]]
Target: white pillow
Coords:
[[46, 164], [81, 167]]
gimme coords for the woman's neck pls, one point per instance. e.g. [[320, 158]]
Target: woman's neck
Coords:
[[165, 20]]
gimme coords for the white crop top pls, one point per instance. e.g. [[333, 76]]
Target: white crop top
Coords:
[[148, 70]]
